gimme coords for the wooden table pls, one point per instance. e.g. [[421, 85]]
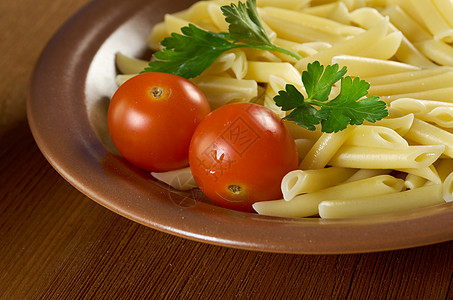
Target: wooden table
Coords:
[[55, 243]]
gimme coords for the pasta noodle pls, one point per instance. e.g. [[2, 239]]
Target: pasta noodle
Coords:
[[306, 205], [324, 149], [403, 48], [181, 179], [384, 158], [309, 181], [426, 134], [440, 113], [375, 136], [382, 204]]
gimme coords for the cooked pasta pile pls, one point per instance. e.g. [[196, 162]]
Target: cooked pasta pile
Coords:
[[404, 48]]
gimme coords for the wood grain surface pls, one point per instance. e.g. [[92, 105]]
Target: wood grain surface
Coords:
[[55, 243]]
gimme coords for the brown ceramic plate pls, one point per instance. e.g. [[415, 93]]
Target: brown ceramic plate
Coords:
[[68, 97]]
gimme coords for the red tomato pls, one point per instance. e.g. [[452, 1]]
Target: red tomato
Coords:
[[152, 117], [240, 153]]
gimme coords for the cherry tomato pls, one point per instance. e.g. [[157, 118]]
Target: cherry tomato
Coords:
[[240, 153], [152, 117]]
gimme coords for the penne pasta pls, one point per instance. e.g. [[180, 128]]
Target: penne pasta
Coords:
[[300, 182], [180, 179], [371, 67], [310, 21], [384, 158], [375, 136], [417, 85], [413, 181], [428, 173], [325, 148], [350, 46], [413, 30], [382, 204], [447, 190], [221, 90], [438, 51], [129, 65], [428, 134], [440, 113], [442, 94], [433, 20], [306, 205], [261, 71]]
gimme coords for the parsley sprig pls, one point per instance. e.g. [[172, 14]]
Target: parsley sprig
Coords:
[[190, 53], [349, 107]]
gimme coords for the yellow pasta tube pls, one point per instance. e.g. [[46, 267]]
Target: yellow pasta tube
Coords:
[[437, 112], [321, 10], [156, 35], [442, 94], [308, 181], [129, 65], [306, 205], [400, 124], [375, 136], [299, 132], [234, 60], [174, 24], [428, 134], [413, 181], [220, 90], [445, 8], [339, 13], [385, 48], [447, 190], [303, 146], [196, 12], [349, 47], [371, 67], [180, 179], [366, 17], [260, 71], [324, 149], [433, 20], [383, 158], [376, 205], [444, 167], [288, 4], [367, 173], [297, 33], [310, 21], [413, 30], [438, 51], [216, 16], [303, 49], [417, 85], [407, 73], [122, 78], [429, 173]]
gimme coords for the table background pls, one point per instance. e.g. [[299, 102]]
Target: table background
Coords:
[[55, 243]]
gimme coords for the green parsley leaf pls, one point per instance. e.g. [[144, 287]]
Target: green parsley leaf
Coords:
[[245, 25], [190, 53], [348, 108]]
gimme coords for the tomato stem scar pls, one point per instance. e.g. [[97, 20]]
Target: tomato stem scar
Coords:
[[156, 92], [235, 189]]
